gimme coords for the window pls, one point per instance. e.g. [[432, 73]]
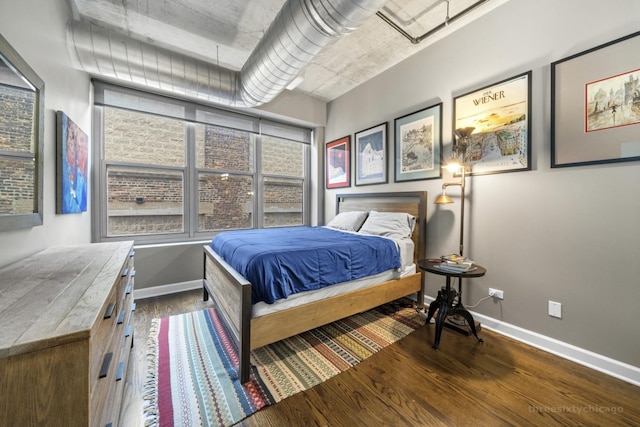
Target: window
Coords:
[[225, 160], [283, 182], [145, 169], [173, 170]]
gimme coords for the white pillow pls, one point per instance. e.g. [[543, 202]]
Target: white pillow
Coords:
[[389, 224], [348, 221]]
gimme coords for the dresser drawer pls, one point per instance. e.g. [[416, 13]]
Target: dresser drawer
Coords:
[[102, 335]]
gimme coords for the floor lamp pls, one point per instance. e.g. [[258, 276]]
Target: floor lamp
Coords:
[[458, 164]]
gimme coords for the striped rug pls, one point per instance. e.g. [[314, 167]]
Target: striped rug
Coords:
[[193, 378]]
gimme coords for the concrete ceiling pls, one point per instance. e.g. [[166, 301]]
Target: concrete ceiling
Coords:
[[224, 33]]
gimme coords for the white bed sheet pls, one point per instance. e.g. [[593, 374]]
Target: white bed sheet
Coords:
[[405, 246], [262, 308]]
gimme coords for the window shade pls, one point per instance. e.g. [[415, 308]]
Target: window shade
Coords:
[[117, 96]]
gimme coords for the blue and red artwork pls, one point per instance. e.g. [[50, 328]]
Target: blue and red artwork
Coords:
[[73, 157]]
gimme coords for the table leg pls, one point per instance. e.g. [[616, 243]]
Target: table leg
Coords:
[[435, 304], [445, 297], [459, 309], [442, 315]]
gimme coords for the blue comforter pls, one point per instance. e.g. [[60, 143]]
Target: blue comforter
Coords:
[[282, 261]]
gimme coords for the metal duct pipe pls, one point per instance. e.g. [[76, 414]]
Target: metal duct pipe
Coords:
[[299, 33], [107, 53]]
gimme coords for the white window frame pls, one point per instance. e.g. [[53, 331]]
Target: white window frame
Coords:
[[106, 94]]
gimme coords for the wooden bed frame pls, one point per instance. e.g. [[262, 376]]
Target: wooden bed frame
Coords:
[[231, 292]]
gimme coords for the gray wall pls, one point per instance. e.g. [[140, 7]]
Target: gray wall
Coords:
[[568, 235], [166, 265]]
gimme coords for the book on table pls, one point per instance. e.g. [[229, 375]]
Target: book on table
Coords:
[[452, 258], [456, 264]]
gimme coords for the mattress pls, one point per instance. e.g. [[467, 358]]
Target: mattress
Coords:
[[406, 248], [262, 308]]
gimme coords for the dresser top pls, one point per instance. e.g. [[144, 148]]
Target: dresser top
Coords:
[[57, 295]]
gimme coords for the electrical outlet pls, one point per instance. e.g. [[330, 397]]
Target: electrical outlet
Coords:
[[555, 309], [496, 293]]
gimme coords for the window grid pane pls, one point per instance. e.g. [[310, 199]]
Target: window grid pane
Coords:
[[17, 194], [225, 201], [224, 149], [18, 108], [144, 201], [282, 157], [283, 202], [135, 137]]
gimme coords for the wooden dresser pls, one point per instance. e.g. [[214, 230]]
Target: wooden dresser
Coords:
[[66, 331]]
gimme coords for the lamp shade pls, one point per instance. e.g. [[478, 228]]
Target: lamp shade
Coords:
[[443, 199]]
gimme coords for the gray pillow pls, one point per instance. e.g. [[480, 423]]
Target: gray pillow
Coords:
[[396, 225], [348, 221]]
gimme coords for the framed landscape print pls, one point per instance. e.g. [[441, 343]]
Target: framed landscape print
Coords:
[[418, 145], [72, 166], [501, 117], [338, 163], [371, 155], [595, 105]]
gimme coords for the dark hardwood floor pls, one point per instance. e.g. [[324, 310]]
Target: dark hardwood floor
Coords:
[[498, 383]]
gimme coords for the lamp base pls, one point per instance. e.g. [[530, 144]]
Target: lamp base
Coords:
[[463, 328]]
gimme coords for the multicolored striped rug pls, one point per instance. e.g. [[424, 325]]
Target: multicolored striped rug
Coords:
[[193, 378]]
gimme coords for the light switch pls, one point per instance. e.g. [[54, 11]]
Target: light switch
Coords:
[[555, 309]]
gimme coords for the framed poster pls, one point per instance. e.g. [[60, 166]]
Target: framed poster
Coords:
[[72, 166], [418, 145], [338, 163], [595, 105], [500, 115], [371, 155]]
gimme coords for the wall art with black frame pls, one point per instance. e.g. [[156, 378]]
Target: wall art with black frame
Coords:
[[595, 105], [418, 145], [500, 114], [371, 155]]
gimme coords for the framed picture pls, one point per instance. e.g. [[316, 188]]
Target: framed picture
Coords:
[[72, 166], [371, 155], [500, 115], [338, 163], [418, 145], [595, 105]]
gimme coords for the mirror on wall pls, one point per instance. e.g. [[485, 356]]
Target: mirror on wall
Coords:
[[21, 141]]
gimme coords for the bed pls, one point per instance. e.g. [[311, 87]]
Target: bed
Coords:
[[252, 328]]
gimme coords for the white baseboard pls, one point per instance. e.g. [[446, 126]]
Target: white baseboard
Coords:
[[156, 291], [598, 362]]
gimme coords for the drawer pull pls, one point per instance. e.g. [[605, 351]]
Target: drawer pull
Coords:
[[133, 306], [104, 370], [132, 253], [128, 290], [133, 273], [109, 425], [109, 312], [121, 318], [120, 371], [124, 272], [127, 331]]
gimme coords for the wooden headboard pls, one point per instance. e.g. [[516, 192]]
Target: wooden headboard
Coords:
[[411, 202]]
